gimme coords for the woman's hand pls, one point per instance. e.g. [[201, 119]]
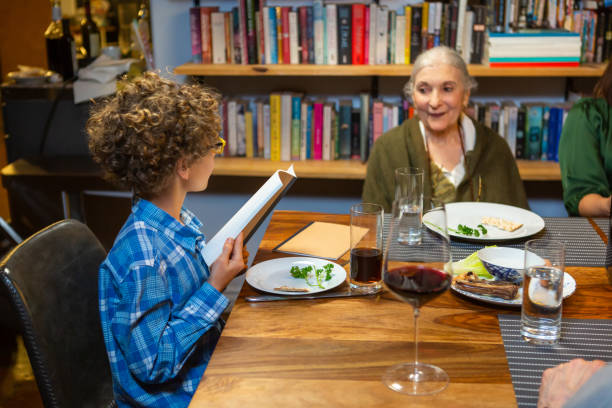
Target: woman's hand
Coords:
[[560, 383], [229, 264]]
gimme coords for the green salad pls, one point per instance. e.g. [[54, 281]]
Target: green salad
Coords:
[[313, 277]]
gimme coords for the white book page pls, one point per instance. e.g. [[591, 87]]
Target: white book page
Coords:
[[240, 220]]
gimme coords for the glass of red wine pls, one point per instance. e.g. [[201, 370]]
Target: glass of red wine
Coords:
[[417, 274]]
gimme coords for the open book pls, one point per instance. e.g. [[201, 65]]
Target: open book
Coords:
[[252, 213]]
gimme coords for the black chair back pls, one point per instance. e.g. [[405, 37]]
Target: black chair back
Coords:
[[52, 282]]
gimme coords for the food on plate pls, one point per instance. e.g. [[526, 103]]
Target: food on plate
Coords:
[[473, 264], [469, 282], [311, 276], [465, 230], [501, 223], [290, 289]]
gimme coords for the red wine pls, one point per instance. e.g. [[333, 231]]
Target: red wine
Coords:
[[417, 284], [366, 265]]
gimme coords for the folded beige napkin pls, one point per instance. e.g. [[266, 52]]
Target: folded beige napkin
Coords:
[[321, 240]]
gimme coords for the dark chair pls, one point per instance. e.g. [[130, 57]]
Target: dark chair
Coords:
[[52, 282]]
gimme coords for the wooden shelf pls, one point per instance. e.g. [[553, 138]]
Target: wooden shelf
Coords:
[[588, 70], [351, 169]]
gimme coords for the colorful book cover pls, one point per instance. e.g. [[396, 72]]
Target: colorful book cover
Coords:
[[344, 126], [415, 33], [195, 29], [304, 130], [317, 139], [310, 34], [377, 120], [206, 32], [266, 131], [266, 34], [251, 36], [545, 133], [279, 35], [553, 125], [344, 34], [229, 38], [358, 33], [319, 31], [296, 114], [294, 50], [259, 29], [244, 43], [275, 126], [259, 120], [331, 34], [286, 44], [303, 17], [534, 131], [335, 137], [366, 36], [407, 33], [236, 33], [273, 36]]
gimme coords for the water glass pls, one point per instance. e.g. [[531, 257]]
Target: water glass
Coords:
[[366, 247], [409, 195], [543, 291]]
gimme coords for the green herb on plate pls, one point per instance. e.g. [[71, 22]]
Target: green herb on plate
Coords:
[[320, 275]]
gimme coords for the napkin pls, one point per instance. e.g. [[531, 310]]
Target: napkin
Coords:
[[321, 240], [98, 78]]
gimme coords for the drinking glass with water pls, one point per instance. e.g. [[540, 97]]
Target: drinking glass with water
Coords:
[[543, 291], [409, 197]]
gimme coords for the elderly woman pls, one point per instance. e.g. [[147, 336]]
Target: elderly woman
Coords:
[[585, 152], [462, 159]]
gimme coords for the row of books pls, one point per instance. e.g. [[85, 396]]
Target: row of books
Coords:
[[559, 49], [253, 33], [289, 126]]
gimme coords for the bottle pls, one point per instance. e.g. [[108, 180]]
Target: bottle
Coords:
[[112, 24], [61, 56], [91, 35]]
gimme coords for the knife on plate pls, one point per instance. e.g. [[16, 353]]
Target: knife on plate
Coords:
[[344, 293]]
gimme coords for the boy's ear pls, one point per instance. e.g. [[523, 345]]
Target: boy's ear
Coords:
[[182, 169]]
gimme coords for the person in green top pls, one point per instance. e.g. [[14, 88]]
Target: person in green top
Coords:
[[585, 152], [462, 160]]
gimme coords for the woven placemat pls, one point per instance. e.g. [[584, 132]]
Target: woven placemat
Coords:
[[584, 247], [602, 223], [589, 339]]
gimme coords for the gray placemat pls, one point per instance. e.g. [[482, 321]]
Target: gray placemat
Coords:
[[589, 339], [584, 247], [602, 223]]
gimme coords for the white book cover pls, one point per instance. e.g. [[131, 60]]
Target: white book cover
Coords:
[[468, 28], [501, 129], [400, 39], [461, 27], [438, 21], [332, 34], [232, 138], [304, 130], [431, 18], [266, 131], [319, 31], [327, 132], [395, 116], [285, 126], [294, 48], [217, 22], [266, 28], [381, 35], [372, 34], [512, 115]]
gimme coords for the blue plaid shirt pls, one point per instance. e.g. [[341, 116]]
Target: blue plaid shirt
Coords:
[[160, 318]]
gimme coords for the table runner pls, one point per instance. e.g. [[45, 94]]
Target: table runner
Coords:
[[585, 338], [584, 247]]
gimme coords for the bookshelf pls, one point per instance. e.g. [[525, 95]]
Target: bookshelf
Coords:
[[275, 70], [530, 170]]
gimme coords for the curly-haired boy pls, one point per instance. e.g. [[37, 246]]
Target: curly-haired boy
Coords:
[[159, 302]]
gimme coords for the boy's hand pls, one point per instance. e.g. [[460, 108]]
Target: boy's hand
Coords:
[[229, 264]]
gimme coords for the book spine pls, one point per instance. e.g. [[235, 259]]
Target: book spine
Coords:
[[327, 132], [332, 34], [286, 44], [244, 43], [319, 31], [391, 37], [364, 126], [407, 33], [240, 129], [453, 9], [534, 133], [248, 126], [358, 33], [303, 130], [355, 135], [382, 35], [260, 128], [373, 32], [303, 14], [275, 127], [344, 34], [251, 37], [335, 136], [437, 40], [345, 130], [217, 21], [461, 19], [293, 38], [266, 130], [266, 34], [415, 33], [206, 30], [309, 131], [512, 128], [377, 120], [232, 137], [425, 25], [229, 38], [478, 35], [273, 36], [400, 36], [261, 42], [310, 34], [552, 137], [236, 36], [286, 125], [195, 27], [366, 36], [317, 140], [224, 127], [296, 114], [545, 133]]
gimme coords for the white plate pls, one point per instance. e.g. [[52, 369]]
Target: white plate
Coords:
[[275, 273], [471, 213], [569, 287]]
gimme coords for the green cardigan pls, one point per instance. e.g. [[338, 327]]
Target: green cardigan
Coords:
[[585, 152], [403, 146]]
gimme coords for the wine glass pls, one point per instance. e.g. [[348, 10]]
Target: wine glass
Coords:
[[417, 274]]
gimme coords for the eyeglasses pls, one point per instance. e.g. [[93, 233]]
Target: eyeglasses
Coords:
[[219, 146]]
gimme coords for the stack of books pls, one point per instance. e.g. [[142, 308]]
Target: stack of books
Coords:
[[536, 48]]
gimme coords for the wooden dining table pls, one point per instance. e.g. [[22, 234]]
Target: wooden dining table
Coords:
[[333, 352]]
